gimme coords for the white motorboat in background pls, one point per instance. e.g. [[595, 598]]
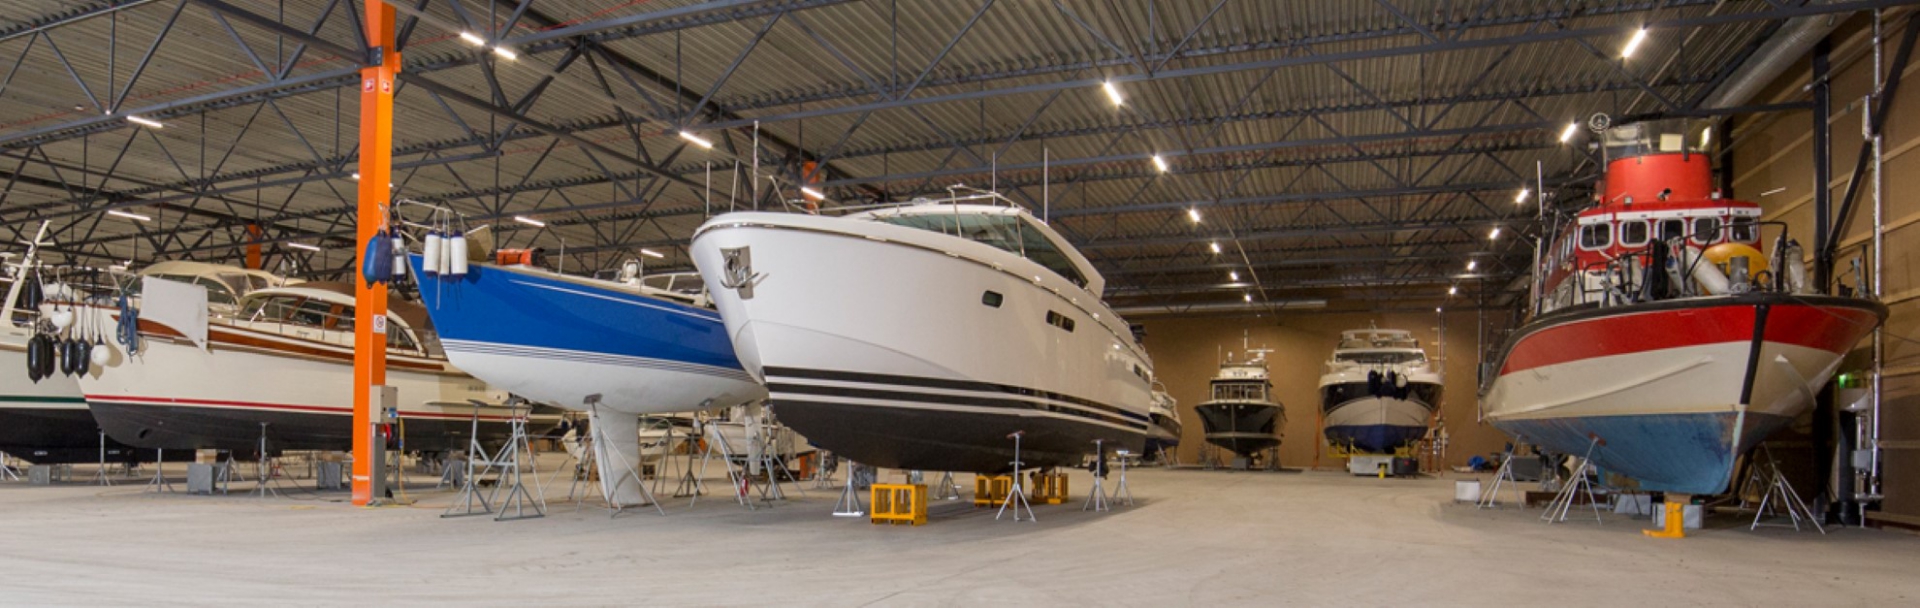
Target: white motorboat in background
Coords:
[[1379, 392], [920, 336]]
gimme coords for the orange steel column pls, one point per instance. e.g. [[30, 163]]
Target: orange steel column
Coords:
[[376, 172]]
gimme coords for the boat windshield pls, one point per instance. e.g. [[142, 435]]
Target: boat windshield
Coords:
[[309, 312], [1011, 233], [1380, 357]]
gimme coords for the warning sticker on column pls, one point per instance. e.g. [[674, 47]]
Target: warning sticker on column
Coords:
[[380, 324]]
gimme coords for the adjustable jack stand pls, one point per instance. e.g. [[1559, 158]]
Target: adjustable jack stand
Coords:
[[1563, 502], [100, 477], [1490, 498], [1780, 493], [159, 483], [518, 498], [1097, 497], [1016, 497], [7, 471], [850, 505], [464, 504], [1121, 492], [946, 488], [269, 470]]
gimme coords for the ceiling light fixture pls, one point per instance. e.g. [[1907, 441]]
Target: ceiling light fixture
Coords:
[[529, 221], [811, 192], [473, 39], [1472, 264], [1215, 246], [1453, 291], [1495, 235], [1233, 275], [1193, 213], [1566, 135], [652, 254], [1113, 93], [129, 215], [1246, 296], [303, 246], [1633, 44], [696, 140], [1522, 197], [506, 53], [144, 121], [1161, 164]]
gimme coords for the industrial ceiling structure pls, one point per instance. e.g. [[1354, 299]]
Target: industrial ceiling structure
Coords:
[[1205, 154]]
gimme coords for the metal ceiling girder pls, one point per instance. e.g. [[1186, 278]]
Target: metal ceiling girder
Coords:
[[1771, 13]]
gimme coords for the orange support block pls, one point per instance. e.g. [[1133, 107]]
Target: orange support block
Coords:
[[988, 491], [897, 503]]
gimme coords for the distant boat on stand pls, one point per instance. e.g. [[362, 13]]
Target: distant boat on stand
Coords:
[[1240, 414], [920, 336], [615, 349], [1661, 338], [1164, 436], [1378, 398]]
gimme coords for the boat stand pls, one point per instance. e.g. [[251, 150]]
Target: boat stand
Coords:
[[1780, 493], [1563, 501], [7, 471], [1122, 493], [1210, 457], [1490, 498], [1097, 496], [268, 469], [519, 499], [1169, 458], [465, 502], [946, 488], [100, 476], [738, 481], [1016, 497], [159, 483], [850, 505]]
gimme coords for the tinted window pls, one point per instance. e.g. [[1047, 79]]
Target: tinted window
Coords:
[[1633, 233], [1595, 236], [1745, 230], [1706, 229], [1004, 232], [217, 292], [1672, 229]]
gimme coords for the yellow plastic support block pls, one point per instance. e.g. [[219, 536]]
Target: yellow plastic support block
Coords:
[[1049, 488], [1676, 522], [989, 490], [895, 503]]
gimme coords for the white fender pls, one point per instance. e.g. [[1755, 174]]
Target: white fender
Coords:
[[430, 257]]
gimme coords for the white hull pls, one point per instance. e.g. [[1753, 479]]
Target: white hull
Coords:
[[567, 378], [1701, 379], [892, 321]]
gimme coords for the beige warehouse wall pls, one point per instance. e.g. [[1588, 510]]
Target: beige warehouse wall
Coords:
[[1186, 355], [1774, 153]]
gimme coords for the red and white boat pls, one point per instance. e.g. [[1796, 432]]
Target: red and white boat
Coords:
[[1662, 337], [281, 364]]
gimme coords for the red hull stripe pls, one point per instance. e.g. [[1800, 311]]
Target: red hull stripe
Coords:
[[1834, 330], [321, 409]]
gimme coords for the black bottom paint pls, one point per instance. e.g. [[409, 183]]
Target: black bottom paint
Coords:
[[45, 436], [1241, 428], [173, 427], [932, 440]]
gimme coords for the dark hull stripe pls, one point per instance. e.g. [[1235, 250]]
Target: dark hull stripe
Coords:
[[943, 383], [783, 391]]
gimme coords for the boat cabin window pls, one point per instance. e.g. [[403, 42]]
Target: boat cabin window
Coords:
[[1596, 236], [1255, 391], [1706, 230], [1671, 229], [1633, 233], [1380, 358], [1010, 233], [269, 309], [1745, 230]]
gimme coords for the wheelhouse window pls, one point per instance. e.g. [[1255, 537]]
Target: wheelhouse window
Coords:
[[1671, 229], [1381, 358], [1634, 233], [1596, 236], [1706, 230], [1254, 391], [1744, 229]]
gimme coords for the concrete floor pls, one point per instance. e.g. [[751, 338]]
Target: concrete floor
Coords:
[[1195, 538]]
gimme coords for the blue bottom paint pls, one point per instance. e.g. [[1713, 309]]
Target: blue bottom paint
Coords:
[[1680, 453], [1375, 438]]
